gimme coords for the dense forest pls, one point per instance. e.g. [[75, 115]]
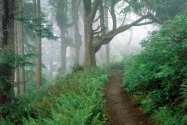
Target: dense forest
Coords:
[[57, 57]]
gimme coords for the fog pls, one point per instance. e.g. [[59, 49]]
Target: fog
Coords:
[[127, 42], [123, 44]]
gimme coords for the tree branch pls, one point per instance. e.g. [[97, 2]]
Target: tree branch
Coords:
[[98, 32], [96, 28], [125, 27], [153, 18], [145, 23], [113, 14], [96, 19], [52, 4], [94, 9], [102, 20], [68, 25], [112, 33]]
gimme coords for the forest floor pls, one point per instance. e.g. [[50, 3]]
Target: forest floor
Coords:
[[120, 107]]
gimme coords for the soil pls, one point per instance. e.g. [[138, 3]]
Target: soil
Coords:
[[120, 107]]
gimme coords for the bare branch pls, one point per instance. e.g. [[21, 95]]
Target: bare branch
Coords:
[[96, 19], [98, 32], [135, 23], [125, 27], [97, 28], [112, 33], [145, 23], [94, 9], [124, 19]]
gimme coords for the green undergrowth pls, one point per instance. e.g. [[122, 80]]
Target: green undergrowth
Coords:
[[113, 66], [74, 100], [157, 77]]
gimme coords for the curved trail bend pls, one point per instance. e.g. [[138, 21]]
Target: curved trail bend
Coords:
[[120, 108]]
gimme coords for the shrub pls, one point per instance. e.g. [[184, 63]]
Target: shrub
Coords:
[[77, 100], [159, 72], [167, 116]]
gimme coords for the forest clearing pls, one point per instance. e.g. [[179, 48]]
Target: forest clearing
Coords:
[[93, 62]]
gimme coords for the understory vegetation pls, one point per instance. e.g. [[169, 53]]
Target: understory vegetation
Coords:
[[157, 77], [114, 66], [76, 99]]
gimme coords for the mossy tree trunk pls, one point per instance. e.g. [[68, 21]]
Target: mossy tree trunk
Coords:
[[6, 45]]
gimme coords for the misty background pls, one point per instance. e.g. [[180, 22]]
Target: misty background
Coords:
[[123, 44]]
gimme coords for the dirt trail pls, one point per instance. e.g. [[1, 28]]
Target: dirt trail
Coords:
[[120, 108]]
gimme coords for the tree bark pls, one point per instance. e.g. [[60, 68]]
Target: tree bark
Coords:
[[16, 76], [89, 15], [38, 72], [77, 37], [107, 46], [63, 52], [51, 66], [89, 54], [7, 45], [21, 52]]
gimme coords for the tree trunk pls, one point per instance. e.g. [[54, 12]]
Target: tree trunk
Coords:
[[63, 52], [77, 50], [61, 17], [94, 39], [7, 45], [89, 15], [21, 52], [51, 66], [107, 46], [89, 52], [38, 46], [78, 41], [16, 76]]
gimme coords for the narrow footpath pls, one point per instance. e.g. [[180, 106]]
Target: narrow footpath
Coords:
[[120, 107]]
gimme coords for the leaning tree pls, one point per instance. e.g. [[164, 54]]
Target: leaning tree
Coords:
[[146, 10]]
